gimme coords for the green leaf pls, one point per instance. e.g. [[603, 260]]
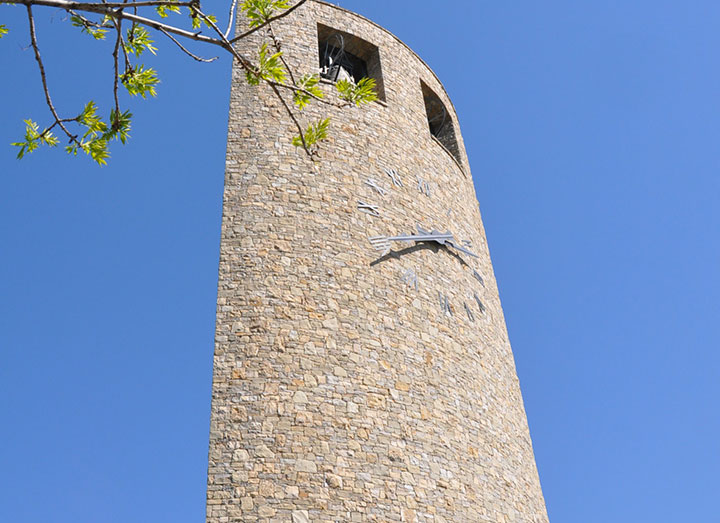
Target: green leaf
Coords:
[[97, 150], [85, 26], [362, 93], [3, 30], [269, 68], [138, 39], [90, 119], [163, 10], [314, 134], [260, 11], [34, 138], [310, 84], [208, 19], [140, 81], [119, 126], [49, 139], [197, 19]]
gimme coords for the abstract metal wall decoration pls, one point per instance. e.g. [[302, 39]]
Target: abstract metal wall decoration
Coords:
[[445, 304], [367, 208], [374, 184], [479, 278], [410, 278], [469, 312], [480, 304], [423, 186], [394, 176]]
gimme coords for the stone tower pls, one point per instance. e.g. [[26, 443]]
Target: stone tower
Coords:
[[358, 379]]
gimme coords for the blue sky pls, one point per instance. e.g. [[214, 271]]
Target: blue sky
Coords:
[[592, 130]]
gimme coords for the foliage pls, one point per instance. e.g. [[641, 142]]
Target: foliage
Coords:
[[94, 30], [310, 88], [314, 134], [259, 12], [140, 81], [138, 39], [33, 139], [166, 8], [269, 68], [363, 92], [103, 20], [97, 135]]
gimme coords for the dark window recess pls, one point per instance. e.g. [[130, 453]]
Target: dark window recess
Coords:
[[440, 122], [346, 57]]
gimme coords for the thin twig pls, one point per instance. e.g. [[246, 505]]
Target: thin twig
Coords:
[[268, 21], [295, 88], [294, 119], [33, 40], [150, 3], [278, 48], [231, 17], [88, 23], [191, 55], [116, 76], [244, 62]]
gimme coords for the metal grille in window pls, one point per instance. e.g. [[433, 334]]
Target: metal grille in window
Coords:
[[343, 56], [338, 64]]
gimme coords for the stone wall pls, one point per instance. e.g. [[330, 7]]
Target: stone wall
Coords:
[[351, 385]]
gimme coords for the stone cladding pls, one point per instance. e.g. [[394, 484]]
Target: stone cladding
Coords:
[[343, 390]]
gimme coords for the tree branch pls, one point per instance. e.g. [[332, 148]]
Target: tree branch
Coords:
[[293, 118], [33, 41], [268, 21], [278, 48], [191, 55], [118, 14], [116, 76], [231, 17]]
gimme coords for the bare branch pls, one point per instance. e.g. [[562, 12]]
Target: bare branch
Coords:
[[191, 55], [119, 14], [231, 18], [278, 48], [292, 117], [116, 76], [33, 41], [151, 3], [224, 42], [268, 21]]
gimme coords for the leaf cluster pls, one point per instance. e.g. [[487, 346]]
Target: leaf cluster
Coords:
[[140, 81], [259, 12], [3, 30], [34, 138], [315, 133], [360, 93], [98, 133], [197, 19], [309, 85], [93, 142], [97, 31], [164, 9], [269, 68], [138, 40]]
